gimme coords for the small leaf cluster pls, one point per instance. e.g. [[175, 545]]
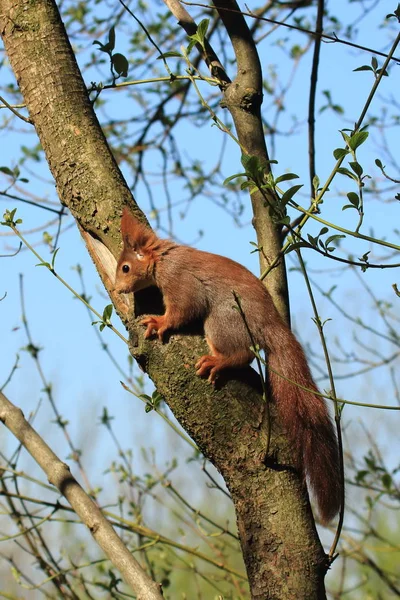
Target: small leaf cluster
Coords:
[[8, 217], [330, 104], [153, 402], [106, 317], [258, 179], [119, 62], [316, 241], [375, 474], [197, 38], [14, 173], [50, 266], [364, 259], [200, 36], [356, 172], [353, 142], [374, 68]]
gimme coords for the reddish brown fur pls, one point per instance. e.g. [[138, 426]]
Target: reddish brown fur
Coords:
[[200, 285]]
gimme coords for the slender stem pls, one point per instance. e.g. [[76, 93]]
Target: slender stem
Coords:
[[329, 397], [15, 112], [158, 79], [78, 296], [161, 414], [360, 236], [313, 90], [338, 408], [259, 367]]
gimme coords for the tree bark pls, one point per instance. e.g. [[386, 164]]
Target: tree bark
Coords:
[[282, 552]]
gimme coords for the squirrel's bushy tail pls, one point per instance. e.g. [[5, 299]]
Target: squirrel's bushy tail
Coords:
[[306, 420]]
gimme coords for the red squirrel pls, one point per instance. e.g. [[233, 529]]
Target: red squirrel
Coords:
[[200, 285]]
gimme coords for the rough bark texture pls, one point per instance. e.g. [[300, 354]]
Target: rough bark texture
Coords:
[[283, 555]]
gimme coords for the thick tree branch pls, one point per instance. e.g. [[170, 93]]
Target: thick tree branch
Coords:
[[189, 25]]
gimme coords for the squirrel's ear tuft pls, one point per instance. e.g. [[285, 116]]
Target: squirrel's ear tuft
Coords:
[[134, 233], [128, 225]]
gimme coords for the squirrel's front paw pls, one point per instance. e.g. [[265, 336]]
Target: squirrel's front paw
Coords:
[[153, 325]]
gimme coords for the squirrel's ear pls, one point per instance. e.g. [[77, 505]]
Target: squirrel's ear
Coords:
[[129, 228], [134, 233]]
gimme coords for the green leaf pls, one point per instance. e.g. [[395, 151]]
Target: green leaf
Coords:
[[251, 163], [340, 153], [202, 30], [191, 44], [386, 481], [111, 38], [374, 63], [364, 257], [171, 54], [120, 64], [246, 184], [296, 246], [231, 177], [344, 171], [286, 177], [357, 139], [315, 183], [346, 137], [361, 476], [363, 68], [100, 44], [338, 109], [334, 238], [354, 199], [357, 168], [107, 312], [313, 240], [288, 195], [53, 260], [7, 171]]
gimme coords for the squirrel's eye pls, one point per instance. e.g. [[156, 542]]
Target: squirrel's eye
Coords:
[[125, 268]]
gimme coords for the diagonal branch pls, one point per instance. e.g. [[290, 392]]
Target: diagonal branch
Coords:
[[189, 25], [59, 475]]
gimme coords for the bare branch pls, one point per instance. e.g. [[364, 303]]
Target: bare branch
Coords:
[[58, 474]]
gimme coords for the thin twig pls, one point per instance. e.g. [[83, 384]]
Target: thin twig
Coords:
[[313, 90]]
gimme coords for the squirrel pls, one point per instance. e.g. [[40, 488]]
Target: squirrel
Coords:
[[200, 285]]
